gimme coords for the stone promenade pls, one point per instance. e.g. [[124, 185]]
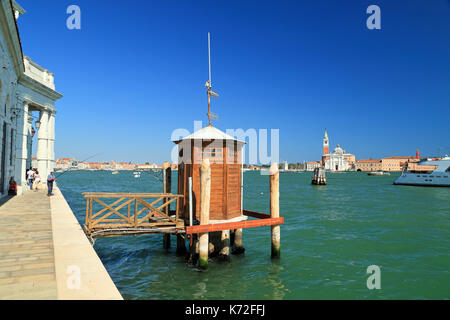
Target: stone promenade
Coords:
[[27, 264], [44, 253]]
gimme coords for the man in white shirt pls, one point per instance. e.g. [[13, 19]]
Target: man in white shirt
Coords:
[[30, 178]]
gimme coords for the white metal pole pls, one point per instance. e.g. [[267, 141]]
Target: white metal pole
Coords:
[[190, 202], [209, 58]]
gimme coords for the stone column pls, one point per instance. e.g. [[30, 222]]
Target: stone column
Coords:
[[51, 141], [29, 140], [42, 151], [21, 145]]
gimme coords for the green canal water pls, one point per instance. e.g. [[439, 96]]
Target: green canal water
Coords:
[[331, 235]]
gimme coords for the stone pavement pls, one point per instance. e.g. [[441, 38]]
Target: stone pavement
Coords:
[[27, 264], [44, 253]]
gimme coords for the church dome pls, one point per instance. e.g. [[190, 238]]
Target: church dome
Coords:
[[338, 150]]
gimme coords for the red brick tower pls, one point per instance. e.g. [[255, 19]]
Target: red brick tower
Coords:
[[326, 147]]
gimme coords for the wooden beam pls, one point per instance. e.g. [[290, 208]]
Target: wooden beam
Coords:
[[104, 209], [234, 225], [255, 214], [155, 210], [113, 210], [128, 195]]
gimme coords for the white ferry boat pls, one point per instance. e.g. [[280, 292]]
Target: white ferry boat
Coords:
[[435, 173]]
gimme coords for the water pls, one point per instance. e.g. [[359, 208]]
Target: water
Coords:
[[331, 235]]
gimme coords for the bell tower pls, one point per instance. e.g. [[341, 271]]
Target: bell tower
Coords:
[[326, 147]]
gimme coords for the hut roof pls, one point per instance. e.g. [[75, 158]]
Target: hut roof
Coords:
[[209, 133]]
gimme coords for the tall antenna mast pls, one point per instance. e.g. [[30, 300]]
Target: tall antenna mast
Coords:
[[208, 84], [209, 58]]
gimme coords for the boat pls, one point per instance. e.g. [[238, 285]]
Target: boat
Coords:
[[115, 172], [137, 174], [429, 172], [378, 173]]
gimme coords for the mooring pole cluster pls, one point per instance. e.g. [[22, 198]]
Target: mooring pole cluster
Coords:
[[230, 236]]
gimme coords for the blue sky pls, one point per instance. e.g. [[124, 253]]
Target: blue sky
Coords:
[[136, 71]]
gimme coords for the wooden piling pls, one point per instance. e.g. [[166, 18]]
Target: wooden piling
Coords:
[[166, 241], [237, 244], [181, 245], [167, 187], [274, 178], [319, 177], [224, 253], [205, 193], [192, 257]]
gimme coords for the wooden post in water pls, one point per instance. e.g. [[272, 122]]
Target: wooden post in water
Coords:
[[319, 176], [238, 246], [205, 194], [274, 178], [181, 245], [167, 187], [224, 253]]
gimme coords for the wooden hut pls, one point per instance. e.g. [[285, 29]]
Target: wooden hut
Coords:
[[225, 155]]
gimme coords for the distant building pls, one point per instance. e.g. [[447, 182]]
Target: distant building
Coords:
[[147, 166], [339, 160], [396, 163], [368, 165], [83, 165], [95, 165], [66, 163], [310, 166]]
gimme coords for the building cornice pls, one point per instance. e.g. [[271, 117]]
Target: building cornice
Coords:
[[39, 87], [12, 35]]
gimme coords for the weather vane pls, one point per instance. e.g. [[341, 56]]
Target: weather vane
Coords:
[[209, 91]]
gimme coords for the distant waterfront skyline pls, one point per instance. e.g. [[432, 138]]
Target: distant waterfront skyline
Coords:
[[130, 77]]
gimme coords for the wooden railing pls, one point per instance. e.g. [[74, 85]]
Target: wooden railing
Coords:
[[130, 211]]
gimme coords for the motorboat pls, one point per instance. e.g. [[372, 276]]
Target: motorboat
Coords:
[[430, 172], [378, 173]]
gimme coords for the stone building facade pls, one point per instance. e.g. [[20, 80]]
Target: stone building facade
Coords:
[[27, 97], [368, 165]]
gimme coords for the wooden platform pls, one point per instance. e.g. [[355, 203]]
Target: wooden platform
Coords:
[[114, 214]]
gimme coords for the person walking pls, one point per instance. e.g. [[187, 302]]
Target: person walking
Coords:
[[50, 179], [37, 180], [30, 178]]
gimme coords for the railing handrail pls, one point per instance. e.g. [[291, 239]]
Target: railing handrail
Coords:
[[109, 216], [131, 195]]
